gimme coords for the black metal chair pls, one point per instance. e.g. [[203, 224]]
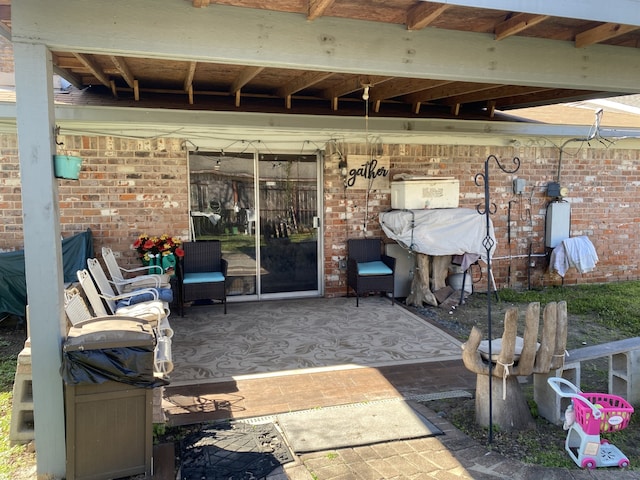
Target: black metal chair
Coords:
[[202, 273], [368, 269]]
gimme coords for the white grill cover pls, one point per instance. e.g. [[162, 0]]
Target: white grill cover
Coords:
[[443, 231]]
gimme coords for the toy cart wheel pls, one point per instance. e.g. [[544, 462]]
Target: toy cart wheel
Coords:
[[604, 441], [624, 463], [589, 463]]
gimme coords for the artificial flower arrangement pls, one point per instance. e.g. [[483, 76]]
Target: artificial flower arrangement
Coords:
[[152, 250]]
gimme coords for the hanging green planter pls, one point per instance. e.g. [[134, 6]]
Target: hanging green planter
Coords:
[[67, 166]]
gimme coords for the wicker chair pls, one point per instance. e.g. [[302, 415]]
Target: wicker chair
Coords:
[[368, 269], [202, 273]]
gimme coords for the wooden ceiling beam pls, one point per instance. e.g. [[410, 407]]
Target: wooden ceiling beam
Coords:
[[317, 8], [424, 14], [516, 24], [446, 90], [402, 86], [121, 65], [499, 91], [305, 80], [351, 85], [551, 96], [245, 76], [188, 78], [603, 32], [94, 68]]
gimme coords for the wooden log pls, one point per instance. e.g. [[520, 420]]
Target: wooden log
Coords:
[[420, 291], [530, 337], [504, 363], [470, 355], [548, 343], [439, 271], [557, 360], [510, 410]]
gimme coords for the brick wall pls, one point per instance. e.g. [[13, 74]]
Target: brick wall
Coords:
[[128, 187], [604, 192]]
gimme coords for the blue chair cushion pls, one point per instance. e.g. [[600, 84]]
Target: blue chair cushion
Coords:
[[203, 277], [373, 268], [164, 294]]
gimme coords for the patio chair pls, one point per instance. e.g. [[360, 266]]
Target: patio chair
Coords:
[[78, 312], [126, 299], [154, 278], [75, 307], [368, 269], [154, 311], [202, 273], [79, 315]]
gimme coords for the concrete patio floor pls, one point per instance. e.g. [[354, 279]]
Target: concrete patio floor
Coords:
[[452, 455]]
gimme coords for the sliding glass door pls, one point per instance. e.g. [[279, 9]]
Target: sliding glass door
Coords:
[[264, 210]]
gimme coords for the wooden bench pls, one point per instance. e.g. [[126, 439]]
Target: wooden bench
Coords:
[[624, 375]]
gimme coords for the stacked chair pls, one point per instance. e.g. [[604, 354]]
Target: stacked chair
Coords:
[[149, 304], [154, 278]]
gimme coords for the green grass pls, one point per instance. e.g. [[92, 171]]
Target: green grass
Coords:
[[12, 458], [617, 305]]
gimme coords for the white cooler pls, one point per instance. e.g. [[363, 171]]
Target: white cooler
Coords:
[[425, 192]]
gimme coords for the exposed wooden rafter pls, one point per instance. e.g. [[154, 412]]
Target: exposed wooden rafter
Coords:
[[601, 33], [121, 65], [247, 74], [445, 90], [446, 59], [188, 80], [305, 80], [423, 14], [499, 91], [349, 86], [94, 68], [317, 8], [402, 86], [516, 24]]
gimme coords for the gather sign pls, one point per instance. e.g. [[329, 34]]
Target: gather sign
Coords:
[[367, 172]]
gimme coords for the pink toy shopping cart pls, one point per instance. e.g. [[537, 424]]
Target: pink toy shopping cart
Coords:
[[595, 413]]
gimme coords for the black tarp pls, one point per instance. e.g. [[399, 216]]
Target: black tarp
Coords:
[[117, 349], [130, 365], [13, 287]]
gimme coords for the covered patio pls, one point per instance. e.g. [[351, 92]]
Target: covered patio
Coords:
[[319, 60], [301, 354]]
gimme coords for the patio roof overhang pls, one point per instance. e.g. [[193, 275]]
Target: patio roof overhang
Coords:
[[457, 60]]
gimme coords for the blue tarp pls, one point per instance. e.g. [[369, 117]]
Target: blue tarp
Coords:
[[13, 287]]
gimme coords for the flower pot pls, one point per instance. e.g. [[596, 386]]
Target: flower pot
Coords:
[[169, 264], [67, 166]]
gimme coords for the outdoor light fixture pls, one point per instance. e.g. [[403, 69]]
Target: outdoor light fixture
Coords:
[[365, 93]]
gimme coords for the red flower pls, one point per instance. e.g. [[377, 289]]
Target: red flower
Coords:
[[147, 246]]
